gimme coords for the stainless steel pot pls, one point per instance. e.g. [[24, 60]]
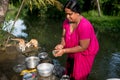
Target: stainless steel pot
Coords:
[[32, 61], [43, 55], [45, 69]]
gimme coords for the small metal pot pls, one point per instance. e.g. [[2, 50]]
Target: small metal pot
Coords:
[[43, 55], [32, 61], [45, 69]]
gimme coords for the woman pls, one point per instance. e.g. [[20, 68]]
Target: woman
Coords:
[[79, 42]]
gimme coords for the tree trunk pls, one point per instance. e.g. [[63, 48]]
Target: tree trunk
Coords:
[[98, 6], [3, 9]]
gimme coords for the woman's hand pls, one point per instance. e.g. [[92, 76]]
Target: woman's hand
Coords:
[[59, 52], [58, 47]]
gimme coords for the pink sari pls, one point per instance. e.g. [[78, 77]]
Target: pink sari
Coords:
[[80, 64]]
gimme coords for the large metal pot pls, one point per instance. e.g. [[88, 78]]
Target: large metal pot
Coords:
[[45, 69], [32, 61]]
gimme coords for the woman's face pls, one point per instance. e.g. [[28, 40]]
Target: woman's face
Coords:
[[70, 15]]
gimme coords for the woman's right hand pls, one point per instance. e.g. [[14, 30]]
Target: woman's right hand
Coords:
[[59, 46], [58, 53]]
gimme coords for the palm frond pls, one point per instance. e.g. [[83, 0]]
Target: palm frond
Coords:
[[43, 3], [58, 5]]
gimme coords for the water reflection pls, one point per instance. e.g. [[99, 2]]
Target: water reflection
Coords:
[[114, 66], [17, 29]]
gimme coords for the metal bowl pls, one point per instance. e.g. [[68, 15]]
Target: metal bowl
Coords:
[[45, 69], [43, 55], [32, 61], [19, 67], [113, 79]]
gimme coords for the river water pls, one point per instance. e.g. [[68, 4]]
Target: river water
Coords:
[[48, 32]]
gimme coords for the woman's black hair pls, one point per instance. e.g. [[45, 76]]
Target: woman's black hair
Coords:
[[73, 5]]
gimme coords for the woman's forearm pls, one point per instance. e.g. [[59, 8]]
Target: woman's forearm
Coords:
[[73, 49]]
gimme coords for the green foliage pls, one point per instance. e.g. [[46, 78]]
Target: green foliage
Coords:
[[51, 7], [91, 13], [12, 12], [37, 7], [15, 2], [111, 7], [37, 3], [42, 3], [103, 23], [54, 13], [106, 23]]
